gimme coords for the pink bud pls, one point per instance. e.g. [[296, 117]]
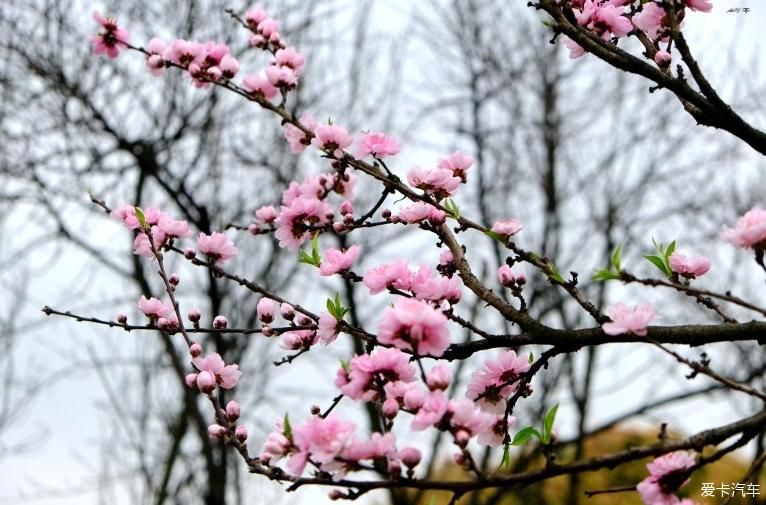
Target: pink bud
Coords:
[[253, 228], [662, 58], [390, 408], [266, 309], [346, 208], [122, 318], [267, 331], [265, 458], [194, 315], [394, 468], [438, 378], [232, 410], [216, 431], [191, 380], [189, 253], [338, 227], [206, 382], [410, 456], [414, 399], [240, 433], [195, 350], [174, 279], [315, 410], [304, 320], [287, 311], [386, 213], [335, 494], [220, 322], [462, 437]]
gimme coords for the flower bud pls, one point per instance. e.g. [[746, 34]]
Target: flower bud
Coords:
[[216, 431], [438, 378], [315, 410], [206, 382], [122, 318], [386, 213], [232, 410], [346, 208], [390, 408], [174, 279], [253, 228], [194, 315], [240, 433], [461, 438], [189, 253], [191, 380], [304, 320], [414, 399], [410, 456], [335, 494], [339, 227], [662, 58], [195, 350], [266, 309], [220, 322], [287, 311], [267, 331], [394, 468]]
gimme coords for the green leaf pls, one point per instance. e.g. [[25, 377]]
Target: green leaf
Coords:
[[605, 275], [531, 358], [550, 417], [659, 263], [287, 429], [556, 275], [304, 257], [496, 236], [335, 307], [669, 251], [616, 258], [524, 435], [141, 217], [452, 209], [345, 365]]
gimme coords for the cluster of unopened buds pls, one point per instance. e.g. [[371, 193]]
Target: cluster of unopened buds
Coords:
[[416, 325]]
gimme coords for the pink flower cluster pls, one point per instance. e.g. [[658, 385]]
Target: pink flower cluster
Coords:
[[443, 180], [213, 372], [627, 320], [419, 212], [368, 375], [511, 278], [496, 381], [216, 246], [162, 227], [265, 29], [377, 144], [655, 489]]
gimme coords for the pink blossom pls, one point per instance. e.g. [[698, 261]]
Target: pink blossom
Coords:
[[191, 380], [368, 372], [507, 227], [458, 163], [266, 310], [225, 375], [289, 57], [428, 285], [651, 489], [606, 20], [496, 381], [254, 16], [441, 182], [410, 456], [321, 439], [109, 38], [259, 85], [378, 144], [296, 218], [750, 231], [391, 275], [266, 214], [470, 419], [127, 214], [185, 52], [332, 138], [233, 410], [152, 308], [296, 137], [416, 326], [216, 431], [662, 58], [229, 66], [419, 211], [689, 266], [445, 257], [626, 320], [281, 77], [336, 260], [379, 446], [142, 246], [217, 246], [651, 20], [174, 228], [575, 49], [206, 382], [432, 412], [495, 434], [509, 277], [327, 328]]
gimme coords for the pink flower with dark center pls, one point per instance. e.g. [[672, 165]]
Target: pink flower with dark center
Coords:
[[415, 326], [471, 420], [496, 381], [428, 285], [750, 231], [281, 77], [226, 376], [174, 228], [155, 61], [439, 378], [651, 20], [626, 320], [395, 275], [689, 266], [297, 138], [420, 211], [217, 246], [296, 219], [152, 308], [378, 144], [432, 412], [651, 489], [109, 38], [336, 260], [289, 57], [266, 214], [458, 163], [322, 440], [185, 52], [142, 246], [259, 85], [606, 20], [332, 138], [507, 227]]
